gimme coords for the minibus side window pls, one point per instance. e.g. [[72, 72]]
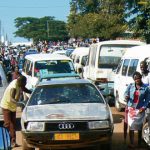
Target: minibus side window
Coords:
[[125, 67], [132, 67]]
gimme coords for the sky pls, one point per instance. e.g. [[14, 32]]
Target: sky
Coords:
[[11, 9]]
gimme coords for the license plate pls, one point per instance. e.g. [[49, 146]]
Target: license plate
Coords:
[[66, 136]]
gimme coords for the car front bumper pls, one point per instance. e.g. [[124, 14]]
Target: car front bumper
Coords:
[[87, 138]]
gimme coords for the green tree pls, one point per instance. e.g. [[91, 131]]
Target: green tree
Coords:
[[97, 18], [46, 28], [138, 13]]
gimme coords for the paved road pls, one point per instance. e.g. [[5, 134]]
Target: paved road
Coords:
[[118, 141]]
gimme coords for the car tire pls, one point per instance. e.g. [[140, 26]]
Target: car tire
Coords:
[[146, 133], [25, 146], [117, 104]]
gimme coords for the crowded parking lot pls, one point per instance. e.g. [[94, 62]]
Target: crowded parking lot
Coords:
[[67, 111], [75, 74]]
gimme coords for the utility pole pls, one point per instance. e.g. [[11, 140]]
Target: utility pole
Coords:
[[47, 29]]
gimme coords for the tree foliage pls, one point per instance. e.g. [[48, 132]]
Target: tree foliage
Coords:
[[106, 19], [46, 28], [139, 18], [97, 18]]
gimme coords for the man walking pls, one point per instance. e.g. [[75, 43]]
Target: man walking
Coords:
[[9, 105]]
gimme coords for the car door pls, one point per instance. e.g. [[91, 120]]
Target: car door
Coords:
[[122, 80], [130, 66], [93, 64]]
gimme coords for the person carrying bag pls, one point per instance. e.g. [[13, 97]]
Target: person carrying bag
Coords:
[[137, 96]]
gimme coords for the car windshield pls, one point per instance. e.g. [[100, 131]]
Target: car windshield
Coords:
[[110, 55], [53, 67], [66, 93]]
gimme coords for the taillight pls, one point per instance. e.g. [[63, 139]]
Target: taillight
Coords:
[[102, 80]]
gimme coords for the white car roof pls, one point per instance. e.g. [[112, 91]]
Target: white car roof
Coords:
[[38, 57], [138, 52], [125, 42], [79, 50]]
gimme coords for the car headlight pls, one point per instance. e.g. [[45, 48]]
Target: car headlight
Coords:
[[98, 124], [36, 126]]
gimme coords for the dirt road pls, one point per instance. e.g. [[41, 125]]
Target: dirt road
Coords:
[[118, 140]]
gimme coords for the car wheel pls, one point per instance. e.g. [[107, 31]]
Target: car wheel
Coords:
[[25, 146], [117, 104], [146, 133]]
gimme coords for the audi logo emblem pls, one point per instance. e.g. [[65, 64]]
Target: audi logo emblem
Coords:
[[64, 126]]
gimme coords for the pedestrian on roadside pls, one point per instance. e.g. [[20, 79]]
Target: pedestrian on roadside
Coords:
[[13, 62], [137, 96], [146, 80], [9, 105], [16, 73], [145, 73]]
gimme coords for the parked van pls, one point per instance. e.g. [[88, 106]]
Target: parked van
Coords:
[[129, 63], [38, 65], [103, 59], [77, 51], [80, 56]]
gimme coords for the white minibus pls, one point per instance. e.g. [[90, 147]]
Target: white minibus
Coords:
[[79, 56], [103, 59], [129, 63]]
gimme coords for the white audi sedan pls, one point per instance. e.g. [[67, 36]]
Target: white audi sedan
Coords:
[[63, 114]]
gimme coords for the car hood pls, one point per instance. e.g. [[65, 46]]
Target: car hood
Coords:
[[80, 111]]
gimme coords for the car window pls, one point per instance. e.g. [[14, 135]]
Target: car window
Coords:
[[125, 67], [28, 66], [132, 67], [72, 93], [53, 67], [24, 65]]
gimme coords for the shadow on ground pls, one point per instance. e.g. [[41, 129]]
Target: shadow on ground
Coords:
[[118, 118]]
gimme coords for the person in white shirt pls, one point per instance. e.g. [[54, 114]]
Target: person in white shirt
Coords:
[[145, 73], [146, 80]]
